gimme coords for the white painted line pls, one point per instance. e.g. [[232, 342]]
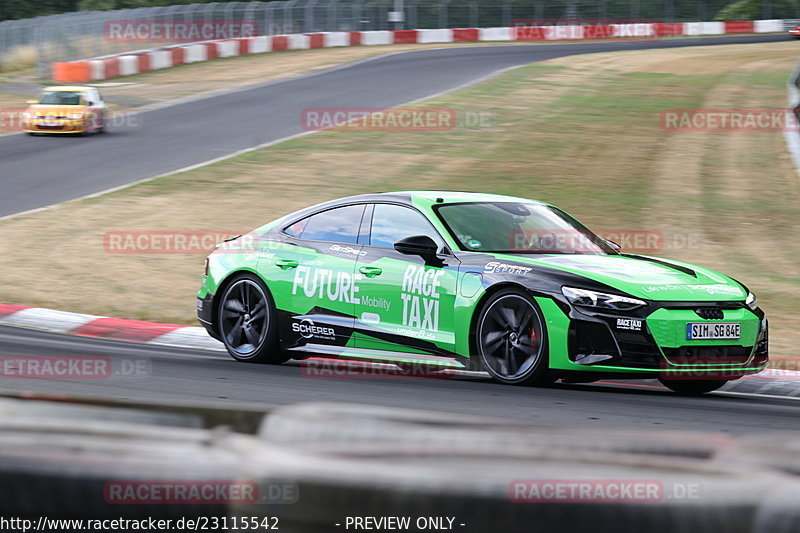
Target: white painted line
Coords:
[[754, 395]]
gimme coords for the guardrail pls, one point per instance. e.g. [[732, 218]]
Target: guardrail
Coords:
[[311, 467], [101, 68]]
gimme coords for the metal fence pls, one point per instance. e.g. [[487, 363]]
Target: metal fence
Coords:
[[85, 34]]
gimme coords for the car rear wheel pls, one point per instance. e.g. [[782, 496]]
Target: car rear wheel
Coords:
[[693, 387], [511, 339], [247, 322]]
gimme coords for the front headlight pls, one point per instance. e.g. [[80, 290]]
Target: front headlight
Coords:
[[751, 301], [600, 300], [75, 116]]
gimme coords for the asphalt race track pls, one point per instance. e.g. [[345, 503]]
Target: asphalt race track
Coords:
[[209, 377], [41, 171]]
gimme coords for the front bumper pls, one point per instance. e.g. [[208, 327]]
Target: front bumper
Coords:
[[59, 126], [654, 341], [205, 314]]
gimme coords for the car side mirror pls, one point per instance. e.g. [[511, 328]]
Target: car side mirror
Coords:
[[614, 245], [420, 245]]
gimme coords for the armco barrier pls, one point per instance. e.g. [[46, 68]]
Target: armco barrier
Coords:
[[325, 426], [57, 460], [146, 60], [369, 461], [444, 472]]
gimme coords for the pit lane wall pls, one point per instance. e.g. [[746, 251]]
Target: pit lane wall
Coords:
[[102, 68]]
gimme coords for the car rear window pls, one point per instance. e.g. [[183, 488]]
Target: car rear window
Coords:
[[334, 225]]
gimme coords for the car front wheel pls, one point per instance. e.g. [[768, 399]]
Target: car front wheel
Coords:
[[511, 339]]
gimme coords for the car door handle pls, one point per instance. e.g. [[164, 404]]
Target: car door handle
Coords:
[[286, 264], [370, 272]]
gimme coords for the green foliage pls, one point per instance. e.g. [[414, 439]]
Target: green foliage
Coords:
[[740, 10], [755, 9], [23, 9]]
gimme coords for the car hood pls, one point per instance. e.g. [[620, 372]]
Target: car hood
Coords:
[[58, 110], [645, 277]]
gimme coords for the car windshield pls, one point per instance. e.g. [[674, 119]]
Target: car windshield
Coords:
[[60, 98], [519, 228]]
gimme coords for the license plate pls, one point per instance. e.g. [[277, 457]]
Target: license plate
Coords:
[[713, 330], [50, 123]]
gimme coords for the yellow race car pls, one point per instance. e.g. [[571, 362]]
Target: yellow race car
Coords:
[[65, 110]]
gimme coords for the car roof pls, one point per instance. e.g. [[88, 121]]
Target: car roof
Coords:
[[463, 196], [73, 88], [432, 197]]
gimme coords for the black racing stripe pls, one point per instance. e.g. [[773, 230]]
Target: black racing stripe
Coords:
[[393, 338], [667, 264]]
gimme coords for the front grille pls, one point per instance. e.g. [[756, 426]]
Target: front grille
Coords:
[[725, 355], [710, 313], [639, 354], [43, 127]]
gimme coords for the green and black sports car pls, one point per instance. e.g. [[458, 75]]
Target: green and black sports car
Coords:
[[475, 281]]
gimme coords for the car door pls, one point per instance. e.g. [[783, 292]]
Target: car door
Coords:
[[311, 274], [405, 302]]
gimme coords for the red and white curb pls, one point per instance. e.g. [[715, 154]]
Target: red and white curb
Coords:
[[135, 62], [107, 327]]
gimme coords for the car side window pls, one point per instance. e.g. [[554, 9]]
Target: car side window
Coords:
[[391, 223], [334, 225]]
